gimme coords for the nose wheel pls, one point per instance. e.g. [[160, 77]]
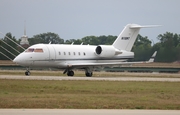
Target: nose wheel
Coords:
[[27, 73]]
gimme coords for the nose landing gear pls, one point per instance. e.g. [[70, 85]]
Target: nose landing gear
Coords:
[[27, 73]]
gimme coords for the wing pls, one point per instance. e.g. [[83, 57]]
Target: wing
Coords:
[[111, 64]]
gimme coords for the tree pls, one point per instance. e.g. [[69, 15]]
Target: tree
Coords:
[[46, 38], [169, 39], [100, 40], [74, 41], [142, 48], [169, 50], [92, 40]]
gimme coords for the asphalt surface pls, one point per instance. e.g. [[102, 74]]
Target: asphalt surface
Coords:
[[86, 112], [89, 78]]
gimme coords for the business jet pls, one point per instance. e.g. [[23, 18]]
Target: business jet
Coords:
[[87, 57]]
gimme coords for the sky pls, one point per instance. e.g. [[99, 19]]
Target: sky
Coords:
[[75, 19]]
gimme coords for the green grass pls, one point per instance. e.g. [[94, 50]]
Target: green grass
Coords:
[[89, 94]]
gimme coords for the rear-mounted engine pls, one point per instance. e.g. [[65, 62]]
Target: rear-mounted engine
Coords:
[[106, 51]]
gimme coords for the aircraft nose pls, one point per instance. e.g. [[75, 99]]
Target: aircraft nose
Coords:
[[21, 60], [16, 60]]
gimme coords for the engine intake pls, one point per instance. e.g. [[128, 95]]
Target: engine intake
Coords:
[[106, 51]]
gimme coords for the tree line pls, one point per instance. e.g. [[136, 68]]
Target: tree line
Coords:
[[168, 47]]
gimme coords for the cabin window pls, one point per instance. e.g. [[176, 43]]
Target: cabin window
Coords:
[[38, 50], [64, 53], [59, 53], [30, 50], [79, 53], [74, 53], [84, 53], [69, 53]]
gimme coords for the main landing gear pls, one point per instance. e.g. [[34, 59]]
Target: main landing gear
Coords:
[[69, 72], [88, 72]]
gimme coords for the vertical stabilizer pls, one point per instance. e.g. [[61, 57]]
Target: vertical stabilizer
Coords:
[[127, 37]]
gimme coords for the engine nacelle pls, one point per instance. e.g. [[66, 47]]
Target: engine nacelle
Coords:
[[106, 51]]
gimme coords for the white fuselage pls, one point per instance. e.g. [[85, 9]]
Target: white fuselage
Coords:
[[63, 56]]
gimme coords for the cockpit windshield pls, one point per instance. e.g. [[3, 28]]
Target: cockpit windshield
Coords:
[[30, 50], [40, 50]]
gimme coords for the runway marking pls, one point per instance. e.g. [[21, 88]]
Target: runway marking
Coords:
[[90, 78]]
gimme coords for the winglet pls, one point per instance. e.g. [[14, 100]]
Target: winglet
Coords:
[[152, 57]]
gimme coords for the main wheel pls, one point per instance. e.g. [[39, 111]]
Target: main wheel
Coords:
[[89, 74], [70, 73]]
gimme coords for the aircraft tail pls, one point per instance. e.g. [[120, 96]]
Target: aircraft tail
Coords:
[[127, 37]]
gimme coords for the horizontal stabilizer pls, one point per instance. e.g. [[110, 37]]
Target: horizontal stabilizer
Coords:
[[145, 26]]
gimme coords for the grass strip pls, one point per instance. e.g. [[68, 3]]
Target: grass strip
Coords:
[[89, 94]]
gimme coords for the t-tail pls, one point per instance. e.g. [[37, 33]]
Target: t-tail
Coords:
[[127, 37]]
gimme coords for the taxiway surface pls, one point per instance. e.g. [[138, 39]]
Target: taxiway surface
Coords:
[[89, 78]]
